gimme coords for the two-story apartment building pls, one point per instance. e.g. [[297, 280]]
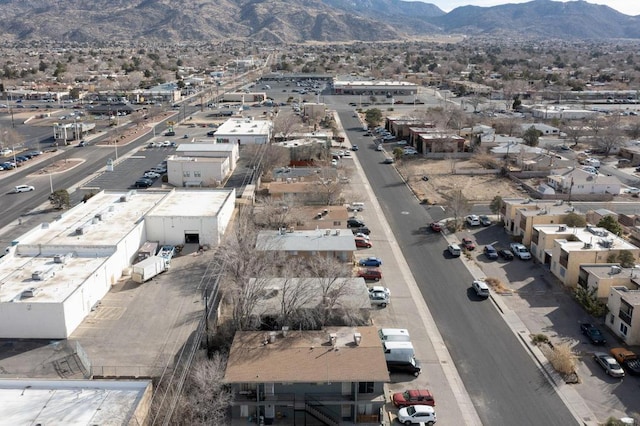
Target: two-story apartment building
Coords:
[[521, 215], [333, 376], [622, 317], [588, 245], [602, 277]]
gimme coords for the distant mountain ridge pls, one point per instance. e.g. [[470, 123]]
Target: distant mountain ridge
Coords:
[[293, 21]]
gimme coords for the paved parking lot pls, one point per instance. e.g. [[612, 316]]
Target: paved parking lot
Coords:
[[545, 306]]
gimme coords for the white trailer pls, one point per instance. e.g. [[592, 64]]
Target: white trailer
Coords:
[[148, 268]]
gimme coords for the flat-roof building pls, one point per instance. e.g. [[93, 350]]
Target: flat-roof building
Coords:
[[244, 131], [53, 275], [75, 402]]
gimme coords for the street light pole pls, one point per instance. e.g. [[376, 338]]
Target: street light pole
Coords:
[[51, 182]]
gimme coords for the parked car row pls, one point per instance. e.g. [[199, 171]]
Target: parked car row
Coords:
[[149, 176], [18, 160]]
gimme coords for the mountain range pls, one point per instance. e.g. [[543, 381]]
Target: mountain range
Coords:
[[295, 21]]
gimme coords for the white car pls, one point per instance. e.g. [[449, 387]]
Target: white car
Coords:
[[473, 220], [417, 414], [379, 148], [151, 175], [380, 288], [23, 188], [334, 163], [609, 364], [632, 190], [481, 288], [520, 251], [6, 151], [166, 143]]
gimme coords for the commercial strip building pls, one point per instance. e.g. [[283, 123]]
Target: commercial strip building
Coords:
[[53, 275], [380, 88]]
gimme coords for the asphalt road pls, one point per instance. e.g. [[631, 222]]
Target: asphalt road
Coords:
[[505, 385]]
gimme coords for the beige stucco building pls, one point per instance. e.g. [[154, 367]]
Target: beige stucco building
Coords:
[[621, 320]]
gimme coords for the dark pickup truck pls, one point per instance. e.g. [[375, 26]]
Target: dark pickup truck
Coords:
[[627, 359]]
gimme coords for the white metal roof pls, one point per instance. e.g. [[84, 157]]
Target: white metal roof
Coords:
[[183, 203], [70, 402]]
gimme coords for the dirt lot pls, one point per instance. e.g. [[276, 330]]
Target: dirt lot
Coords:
[[476, 188]]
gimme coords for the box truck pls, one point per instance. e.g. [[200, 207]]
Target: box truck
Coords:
[[148, 268]]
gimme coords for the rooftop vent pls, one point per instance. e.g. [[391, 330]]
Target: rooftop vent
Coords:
[[62, 258], [357, 338], [30, 292], [562, 228], [43, 274], [333, 338]]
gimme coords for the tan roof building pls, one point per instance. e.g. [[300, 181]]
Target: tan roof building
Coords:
[[336, 375]]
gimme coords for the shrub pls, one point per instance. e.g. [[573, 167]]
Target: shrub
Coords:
[[536, 339], [561, 358]]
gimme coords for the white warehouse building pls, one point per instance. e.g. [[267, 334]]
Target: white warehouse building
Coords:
[[52, 276], [244, 131]]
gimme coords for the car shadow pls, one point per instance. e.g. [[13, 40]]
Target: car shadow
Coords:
[[473, 296]]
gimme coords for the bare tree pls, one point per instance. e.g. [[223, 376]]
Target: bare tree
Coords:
[[242, 262], [9, 138], [328, 187], [274, 214], [285, 123], [574, 131], [475, 101], [458, 204], [610, 138], [206, 398], [332, 275], [294, 293]]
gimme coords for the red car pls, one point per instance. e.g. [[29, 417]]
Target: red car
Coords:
[[361, 242], [413, 397], [468, 244], [370, 274], [436, 227]]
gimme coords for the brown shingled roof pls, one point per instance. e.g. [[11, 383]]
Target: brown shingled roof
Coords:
[[308, 357]]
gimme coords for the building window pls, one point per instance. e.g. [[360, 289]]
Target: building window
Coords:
[[336, 223], [365, 387], [186, 174], [611, 318], [563, 271], [623, 329], [197, 174]]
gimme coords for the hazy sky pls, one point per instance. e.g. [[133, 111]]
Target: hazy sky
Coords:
[[628, 7]]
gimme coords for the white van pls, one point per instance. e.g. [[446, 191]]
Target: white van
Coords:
[[394, 335], [356, 207], [398, 351]]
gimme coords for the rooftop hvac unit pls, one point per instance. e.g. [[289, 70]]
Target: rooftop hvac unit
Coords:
[[43, 274], [327, 232], [30, 292], [62, 258], [272, 337], [80, 230], [562, 228], [615, 270]]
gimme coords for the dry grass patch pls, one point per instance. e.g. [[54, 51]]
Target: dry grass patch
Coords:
[[497, 285]]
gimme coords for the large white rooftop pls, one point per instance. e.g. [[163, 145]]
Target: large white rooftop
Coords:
[[587, 239], [244, 126], [105, 219], [71, 402], [52, 282], [205, 147], [194, 202]]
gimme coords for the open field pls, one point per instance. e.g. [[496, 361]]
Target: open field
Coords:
[[476, 188]]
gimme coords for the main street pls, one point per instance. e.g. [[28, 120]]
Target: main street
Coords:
[[505, 384]]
